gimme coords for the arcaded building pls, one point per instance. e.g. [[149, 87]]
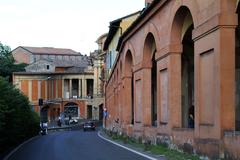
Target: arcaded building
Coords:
[[176, 78], [63, 78]]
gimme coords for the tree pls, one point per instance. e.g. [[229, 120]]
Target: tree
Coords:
[[7, 63], [17, 120]]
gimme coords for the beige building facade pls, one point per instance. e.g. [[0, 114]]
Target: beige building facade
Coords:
[[66, 85]]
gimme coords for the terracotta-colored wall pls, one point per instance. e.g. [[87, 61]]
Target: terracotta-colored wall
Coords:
[[59, 69], [24, 87], [34, 90], [21, 56], [231, 145], [54, 88], [214, 75], [59, 88], [43, 90], [49, 89]]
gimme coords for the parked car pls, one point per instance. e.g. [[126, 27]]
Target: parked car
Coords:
[[89, 126]]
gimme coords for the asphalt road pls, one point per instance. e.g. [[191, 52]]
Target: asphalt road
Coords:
[[72, 145]]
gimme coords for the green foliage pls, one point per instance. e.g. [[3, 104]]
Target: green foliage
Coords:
[[170, 154], [7, 63], [17, 121]]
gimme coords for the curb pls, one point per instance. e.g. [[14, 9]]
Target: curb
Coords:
[[19, 146], [129, 149]]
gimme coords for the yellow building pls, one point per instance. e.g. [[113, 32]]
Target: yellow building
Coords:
[[116, 29]]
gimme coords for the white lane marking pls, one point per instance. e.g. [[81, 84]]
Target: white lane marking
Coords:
[[129, 149]]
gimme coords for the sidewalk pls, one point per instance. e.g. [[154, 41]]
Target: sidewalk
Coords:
[[131, 147]]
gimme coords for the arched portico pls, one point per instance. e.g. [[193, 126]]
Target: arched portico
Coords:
[[181, 34], [128, 112], [149, 65]]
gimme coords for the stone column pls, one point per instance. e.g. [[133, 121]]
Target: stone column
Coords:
[[39, 89], [46, 89], [63, 94], [174, 78], [146, 92], [120, 103], [95, 84], [79, 87], [56, 88], [84, 87], [127, 107], [70, 88], [30, 90]]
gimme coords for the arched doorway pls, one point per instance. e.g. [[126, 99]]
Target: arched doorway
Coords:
[[237, 73], [187, 71], [129, 90], [182, 34], [149, 58], [71, 110]]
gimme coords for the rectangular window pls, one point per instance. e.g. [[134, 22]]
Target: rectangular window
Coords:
[[164, 95], [47, 67], [138, 101], [207, 87]]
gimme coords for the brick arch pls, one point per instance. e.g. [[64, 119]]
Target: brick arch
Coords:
[[129, 51], [192, 6], [151, 28], [149, 49], [180, 24], [128, 64], [175, 35], [180, 35]]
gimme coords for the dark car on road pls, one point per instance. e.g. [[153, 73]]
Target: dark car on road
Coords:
[[89, 126]]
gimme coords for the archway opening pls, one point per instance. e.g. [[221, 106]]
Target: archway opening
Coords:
[[182, 34], [187, 79], [154, 91], [149, 58], [71, 110], [237, 73], [129, 73]]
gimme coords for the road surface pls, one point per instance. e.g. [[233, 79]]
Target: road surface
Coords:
[[72, 145]]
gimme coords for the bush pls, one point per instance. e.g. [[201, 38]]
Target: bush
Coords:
[[17, 121]]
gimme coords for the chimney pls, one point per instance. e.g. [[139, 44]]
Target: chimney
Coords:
[[148, 2]]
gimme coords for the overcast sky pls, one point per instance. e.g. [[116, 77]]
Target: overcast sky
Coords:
[[74, 24]]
